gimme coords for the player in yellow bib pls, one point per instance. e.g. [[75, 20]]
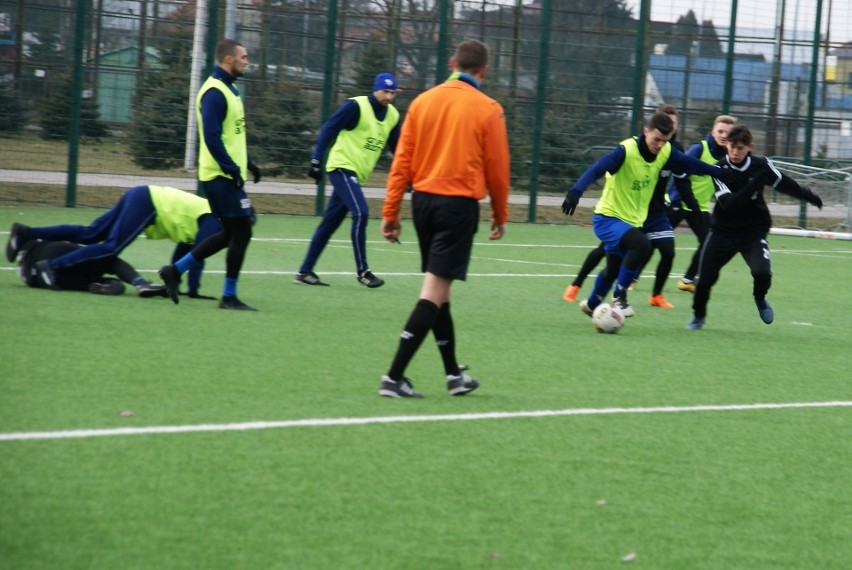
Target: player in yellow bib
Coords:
[[358, 133], [223, 164], [632, 170]]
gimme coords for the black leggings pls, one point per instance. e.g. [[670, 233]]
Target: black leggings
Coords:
[[235, 235]]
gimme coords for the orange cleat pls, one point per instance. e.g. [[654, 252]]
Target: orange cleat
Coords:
[[688, 286], [571, 293], [660, 301]]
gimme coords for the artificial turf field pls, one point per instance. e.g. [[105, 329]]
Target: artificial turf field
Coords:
[[228, 440]]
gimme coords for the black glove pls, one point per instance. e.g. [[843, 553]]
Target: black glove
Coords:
[[197, 295], [238, 181], [570, 203], [813, 197], [315, 171], [255, 171]]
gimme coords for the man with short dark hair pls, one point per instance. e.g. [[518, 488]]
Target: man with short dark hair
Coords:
[[656, 227], [741, 222], [223, 164], [632, 171], [452, 151]]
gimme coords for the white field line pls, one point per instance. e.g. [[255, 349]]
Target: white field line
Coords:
[[504, 244], [333, 422], [383, 273], [345, 243]]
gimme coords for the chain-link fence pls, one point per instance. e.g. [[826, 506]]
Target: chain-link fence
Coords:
[[115, 77]]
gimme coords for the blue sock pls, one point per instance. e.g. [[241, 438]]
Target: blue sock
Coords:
[[602, 285], [186, 263], [625, 278], [230, 289]]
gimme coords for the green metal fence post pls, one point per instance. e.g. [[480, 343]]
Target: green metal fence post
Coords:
[[210, 60], [212, 34], [76, 101], [729, 61], [327, 89], [640, 57], [809, 124], [441, 71], [540, 96]]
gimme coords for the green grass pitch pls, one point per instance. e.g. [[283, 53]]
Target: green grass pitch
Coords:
[[596, 484]]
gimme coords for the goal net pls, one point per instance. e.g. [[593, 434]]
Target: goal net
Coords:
[[834, 186]]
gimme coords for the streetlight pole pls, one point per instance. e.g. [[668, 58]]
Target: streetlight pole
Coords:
[[198, 60]]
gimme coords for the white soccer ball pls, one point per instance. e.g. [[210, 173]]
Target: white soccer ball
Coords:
[[607, 318]]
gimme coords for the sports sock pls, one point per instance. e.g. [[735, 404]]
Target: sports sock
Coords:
[[602, 285], [186, 263], [445, 337], [420, 322], [625, 278], [230, 288]]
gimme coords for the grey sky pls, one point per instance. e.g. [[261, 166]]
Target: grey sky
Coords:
[[757, 14]]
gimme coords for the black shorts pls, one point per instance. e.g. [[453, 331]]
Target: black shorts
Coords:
[[445, 228], [226, 200]]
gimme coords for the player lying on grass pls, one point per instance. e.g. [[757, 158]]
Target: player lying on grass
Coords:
[[158, 211], [91, 276], [740, 223]]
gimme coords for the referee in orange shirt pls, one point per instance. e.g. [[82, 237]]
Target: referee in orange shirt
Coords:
[[453, 149]]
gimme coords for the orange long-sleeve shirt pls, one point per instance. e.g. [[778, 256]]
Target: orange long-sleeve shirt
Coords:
[[453, 143]]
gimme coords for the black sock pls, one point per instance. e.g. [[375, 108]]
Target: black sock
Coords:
[[445, 337], [419, 324]]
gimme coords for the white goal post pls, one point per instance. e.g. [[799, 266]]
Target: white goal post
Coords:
[[835, 188]]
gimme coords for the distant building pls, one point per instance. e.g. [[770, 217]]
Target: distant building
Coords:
[[117, 73], [704, 80], [702, 84], [838, 77]]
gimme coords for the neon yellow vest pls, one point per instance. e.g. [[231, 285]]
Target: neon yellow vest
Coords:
[[627, 193], [177, 214], [233, 133], [358, 150], [702, 186]]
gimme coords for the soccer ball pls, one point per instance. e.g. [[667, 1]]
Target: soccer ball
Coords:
[[607, 318]]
